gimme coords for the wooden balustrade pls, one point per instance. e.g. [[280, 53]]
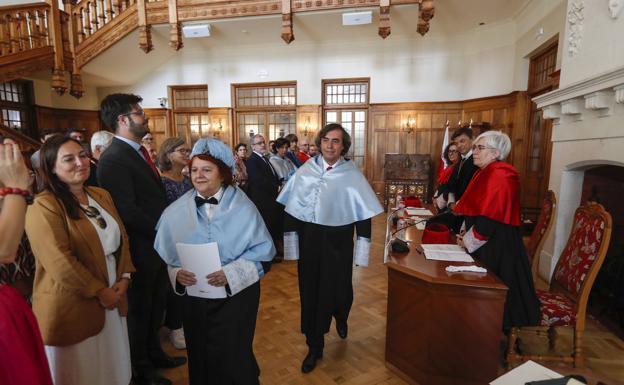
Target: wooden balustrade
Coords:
[[24, 28]]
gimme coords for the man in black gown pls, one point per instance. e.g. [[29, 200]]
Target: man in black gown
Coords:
[[325, 201]]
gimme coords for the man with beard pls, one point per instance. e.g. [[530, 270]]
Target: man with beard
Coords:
[[128, 173]]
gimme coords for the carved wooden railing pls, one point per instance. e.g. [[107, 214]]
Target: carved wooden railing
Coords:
[[24, 28], [34, 37]]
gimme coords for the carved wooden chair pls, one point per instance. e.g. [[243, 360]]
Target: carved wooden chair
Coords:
[[542, 229], [565, 303]]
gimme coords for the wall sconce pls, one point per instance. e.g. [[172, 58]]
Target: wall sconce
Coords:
[[410, 124], [307, 130], [163, 102], [217, 128]]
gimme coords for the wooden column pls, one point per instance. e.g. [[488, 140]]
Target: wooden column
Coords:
[[175, 31], [76, 89], [145, 33], [58, 75], [384, 18], [287, 29]]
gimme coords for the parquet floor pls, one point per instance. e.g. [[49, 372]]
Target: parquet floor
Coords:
[[358, 360]]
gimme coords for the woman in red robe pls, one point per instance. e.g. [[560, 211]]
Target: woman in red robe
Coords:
[[451, 155], [491, 207]]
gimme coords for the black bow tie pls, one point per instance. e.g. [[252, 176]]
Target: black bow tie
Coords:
[[199, 201]]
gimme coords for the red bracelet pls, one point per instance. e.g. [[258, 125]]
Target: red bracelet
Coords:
[[4, 191]]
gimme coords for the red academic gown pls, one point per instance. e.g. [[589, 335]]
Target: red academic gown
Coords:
[[491, 207]]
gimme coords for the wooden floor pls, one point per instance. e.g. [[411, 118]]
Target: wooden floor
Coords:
[[280, 347]]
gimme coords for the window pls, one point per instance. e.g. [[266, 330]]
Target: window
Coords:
[[541, 68], [345, 101], [16, 107], [190, 112], [268, 109]]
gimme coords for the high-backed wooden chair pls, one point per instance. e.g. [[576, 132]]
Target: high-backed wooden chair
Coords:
[[542, 229], [565, 303]]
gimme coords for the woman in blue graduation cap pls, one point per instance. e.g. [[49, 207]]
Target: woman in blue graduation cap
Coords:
[[219, 332]]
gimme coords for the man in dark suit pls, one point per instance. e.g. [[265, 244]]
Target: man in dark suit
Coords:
[[263, 185], [129, 175]]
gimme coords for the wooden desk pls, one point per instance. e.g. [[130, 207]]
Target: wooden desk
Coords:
[[442, 328]]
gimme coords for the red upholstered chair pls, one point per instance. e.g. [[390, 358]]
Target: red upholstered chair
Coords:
[[542, 229], [565, 303]]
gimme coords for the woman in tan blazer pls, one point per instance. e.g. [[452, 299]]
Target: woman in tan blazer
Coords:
[[83, 270]]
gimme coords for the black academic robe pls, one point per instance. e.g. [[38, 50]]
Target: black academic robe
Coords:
[[325, 269], [504, 255], [461, 177]]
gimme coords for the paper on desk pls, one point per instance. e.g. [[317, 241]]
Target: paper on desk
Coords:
[[470, 268], [446, 252], [529, 371], [201, 260], [411, 211]]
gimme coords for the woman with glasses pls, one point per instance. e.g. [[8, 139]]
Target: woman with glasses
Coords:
[[283, 166], [148, 142], [171, 160], [491, 209], [83, 270], [451, 156]]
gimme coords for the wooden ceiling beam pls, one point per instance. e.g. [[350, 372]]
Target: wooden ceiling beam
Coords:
[[384, 18], [287, 22]]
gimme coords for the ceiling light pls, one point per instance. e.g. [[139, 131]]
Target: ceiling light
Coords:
[[357, 18]]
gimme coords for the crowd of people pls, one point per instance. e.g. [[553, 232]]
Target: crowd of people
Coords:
[[97, 251]]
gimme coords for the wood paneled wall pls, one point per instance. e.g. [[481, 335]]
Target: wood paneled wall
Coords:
[[388, 131], [159, 124], [62, 119]]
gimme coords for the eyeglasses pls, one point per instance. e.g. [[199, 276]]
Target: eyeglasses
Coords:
[[93, 212], [453, 151], [263, 142], [140, 113], [481, 147], [147, 140], [184, 150]]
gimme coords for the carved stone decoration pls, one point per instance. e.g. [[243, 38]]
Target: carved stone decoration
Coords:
[[619, 94], [384, 18], [615, 7], [145, 38], [552, 111], [573, 107], [601, 101], [76, 90], [575, 26], [175, 36], [58, 81]]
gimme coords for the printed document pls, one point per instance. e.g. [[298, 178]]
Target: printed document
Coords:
[[201, 260], [446, 252]]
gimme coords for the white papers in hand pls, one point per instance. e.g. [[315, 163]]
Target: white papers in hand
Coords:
[[446, 252], [201, 260], [469, 268]]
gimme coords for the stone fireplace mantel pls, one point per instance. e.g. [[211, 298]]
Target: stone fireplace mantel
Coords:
[[597, 95]]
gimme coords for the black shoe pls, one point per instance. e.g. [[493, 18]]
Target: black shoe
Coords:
[[167, 362], [342, 328], [309, 362], [155, 379]]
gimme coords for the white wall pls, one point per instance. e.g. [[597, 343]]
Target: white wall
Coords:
[[489, 60]]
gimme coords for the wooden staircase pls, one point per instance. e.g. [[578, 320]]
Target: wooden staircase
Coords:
[[40, 35]]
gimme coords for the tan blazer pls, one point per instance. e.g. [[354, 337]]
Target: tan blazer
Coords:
[[71, 269]]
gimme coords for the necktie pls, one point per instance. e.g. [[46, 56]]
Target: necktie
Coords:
[[199, 201], [149, 161], [461, 163]]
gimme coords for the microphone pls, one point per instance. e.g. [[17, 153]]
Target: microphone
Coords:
[[399, 245]]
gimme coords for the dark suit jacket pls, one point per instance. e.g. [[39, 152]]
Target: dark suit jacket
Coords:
[[138, 195], [461, 177], [263, 183]]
